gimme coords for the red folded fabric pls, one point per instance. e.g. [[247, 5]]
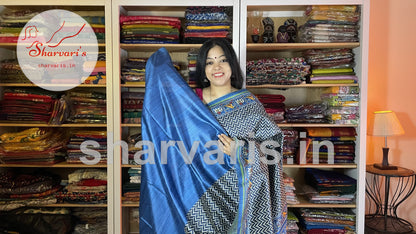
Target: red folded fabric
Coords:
[[125, 18]]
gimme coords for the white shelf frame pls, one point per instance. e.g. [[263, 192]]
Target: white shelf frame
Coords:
[[118, 7], [361, 71]]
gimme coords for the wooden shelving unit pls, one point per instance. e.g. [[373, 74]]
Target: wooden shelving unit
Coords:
[[280, 11]]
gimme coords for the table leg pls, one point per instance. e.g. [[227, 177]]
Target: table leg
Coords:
[[386, 200]]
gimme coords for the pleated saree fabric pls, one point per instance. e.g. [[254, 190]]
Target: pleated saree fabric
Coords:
[[188, 185]]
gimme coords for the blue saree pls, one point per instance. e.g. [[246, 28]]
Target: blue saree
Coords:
[[188, 185]]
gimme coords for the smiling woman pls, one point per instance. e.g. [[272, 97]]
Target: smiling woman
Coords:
[[243, 194], [218, 72]]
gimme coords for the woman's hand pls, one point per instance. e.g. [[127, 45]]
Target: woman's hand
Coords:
[[226, 144]]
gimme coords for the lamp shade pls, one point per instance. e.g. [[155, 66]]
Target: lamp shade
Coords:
[[385, 123]]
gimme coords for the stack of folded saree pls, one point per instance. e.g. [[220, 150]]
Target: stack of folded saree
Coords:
[[11, 72], [61, 111], [147, 29], [37, 220], [74, 153], [322, 186], [307, 113], [19, 190], [290, 189], [12, 22], [333, 76], [274, 105], [131, 189], [98, 73], [131, 106], [342, 140], [32, 146], [133, 71], [204, 22], [192, 57], [343, 104], [292, 223], [88, 107], [84, 186], [132, 140], [330, 58], [330, 24], [280, 71], [96, 20], [26, 104], [331, 66], [90, 220], [290, 145], [326, 220]]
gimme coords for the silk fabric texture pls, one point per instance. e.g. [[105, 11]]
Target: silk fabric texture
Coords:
[[183, 190]]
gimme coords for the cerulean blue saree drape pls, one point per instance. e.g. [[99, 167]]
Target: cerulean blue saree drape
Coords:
[[187, 186]]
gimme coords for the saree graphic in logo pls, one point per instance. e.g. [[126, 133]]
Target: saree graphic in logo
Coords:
[[57, 50]]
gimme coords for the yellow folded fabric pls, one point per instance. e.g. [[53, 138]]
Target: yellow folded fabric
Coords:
[[92, 79], [90, 64], [97, 25], [329, 132], [331, 70], [348, 8], [31, 134]]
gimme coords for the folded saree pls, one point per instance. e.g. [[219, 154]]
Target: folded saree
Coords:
[[198, 190], [330, 132], [125, 18]]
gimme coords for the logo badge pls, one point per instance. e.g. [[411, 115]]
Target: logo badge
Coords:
[[57, 50]]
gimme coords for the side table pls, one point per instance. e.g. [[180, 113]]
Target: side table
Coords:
[[387, 189]]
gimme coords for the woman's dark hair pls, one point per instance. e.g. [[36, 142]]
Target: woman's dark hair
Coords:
[[237, 79]]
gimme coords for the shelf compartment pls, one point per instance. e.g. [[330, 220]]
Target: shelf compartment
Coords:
[[57, 165], [12, 46], [305, 204], [54, 85], [272, 86], [130, 166], [251, 47], [130, 205], [321, 165], [264, 86], [307, 125], [267, 47], [331, 166], [70, 205], [155, 47], [8, 124], [281, 125]]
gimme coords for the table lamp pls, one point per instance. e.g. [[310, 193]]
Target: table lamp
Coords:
[[385, 124]]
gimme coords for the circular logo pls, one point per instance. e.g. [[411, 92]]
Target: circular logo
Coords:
[[57, 50]]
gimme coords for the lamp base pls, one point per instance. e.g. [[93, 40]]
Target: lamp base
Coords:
[[384, 167], [385, 164]]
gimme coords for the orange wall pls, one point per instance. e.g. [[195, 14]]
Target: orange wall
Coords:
[[392, 84]]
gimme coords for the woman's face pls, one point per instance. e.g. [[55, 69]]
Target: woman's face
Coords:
[[217, 68]]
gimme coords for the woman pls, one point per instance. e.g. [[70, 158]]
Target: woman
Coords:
[[244, 118], [245, 191]]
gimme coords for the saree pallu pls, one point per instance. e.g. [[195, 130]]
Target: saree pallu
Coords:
[[198, 191], [244, 118]]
